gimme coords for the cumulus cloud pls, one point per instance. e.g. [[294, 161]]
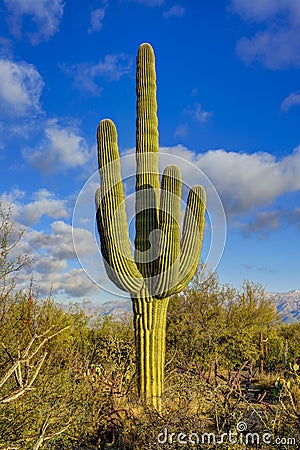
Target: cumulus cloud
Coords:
[[277, 46], [59, 243], [244, 181], [51, 253], [48, 264], [255, 180], [247, 183], [74, 283], [20, 88], [174, 11], [43, 203], [62, 148], [112, 68], [45, 14], [291, 100]]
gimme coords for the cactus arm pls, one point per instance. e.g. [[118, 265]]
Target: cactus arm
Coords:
[[147, 178], [192, 236], [111, 213], [169, 225]]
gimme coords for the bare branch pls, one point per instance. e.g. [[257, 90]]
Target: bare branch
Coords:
[[42, 438], [25, 384]]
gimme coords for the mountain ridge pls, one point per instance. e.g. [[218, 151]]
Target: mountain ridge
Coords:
[[287, 304]]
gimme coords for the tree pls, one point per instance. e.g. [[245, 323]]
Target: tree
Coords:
[[210, 321], [11, 261], [195, 320], [250, 317]]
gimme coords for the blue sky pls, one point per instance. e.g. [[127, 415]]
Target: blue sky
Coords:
[[228, 76]]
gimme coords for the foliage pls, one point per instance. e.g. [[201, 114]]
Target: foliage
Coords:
[[209, 320], [68, 381], [62, 394]]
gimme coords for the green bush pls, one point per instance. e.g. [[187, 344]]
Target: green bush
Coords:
[[68, 381]]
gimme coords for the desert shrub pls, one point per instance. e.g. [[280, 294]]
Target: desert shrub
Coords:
[[210, 320], [68, 401], [68, 382]]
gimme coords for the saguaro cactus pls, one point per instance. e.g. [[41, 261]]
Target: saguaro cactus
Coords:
[[164, 261]]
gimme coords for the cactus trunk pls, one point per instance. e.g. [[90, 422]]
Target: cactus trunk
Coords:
[[150, 338], [164, 261]]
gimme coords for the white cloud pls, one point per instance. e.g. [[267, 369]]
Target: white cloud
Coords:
[[46, 15], [97, 16], [112, 68], [245, 182], [59, 243], [20, 88], [63, 241], [45, 265], [259, 10], [291, 100], [44, 203], [8, 198], [278, 45], [51, 253], [275, 48], [251, 181], [75, 283], [174, 11], [198, 113], [62, 148]]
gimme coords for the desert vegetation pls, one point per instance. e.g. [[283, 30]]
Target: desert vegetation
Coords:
[[68, 378]]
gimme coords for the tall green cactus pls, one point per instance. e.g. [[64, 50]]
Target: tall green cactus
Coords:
[[164, 261]]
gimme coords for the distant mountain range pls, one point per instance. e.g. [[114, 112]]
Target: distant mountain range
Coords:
[[287, 305], [116, 308]]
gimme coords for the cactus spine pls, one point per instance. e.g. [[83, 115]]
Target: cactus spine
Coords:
[[164, 261]]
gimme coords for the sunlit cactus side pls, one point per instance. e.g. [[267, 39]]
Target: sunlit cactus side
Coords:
[[164, 260]]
